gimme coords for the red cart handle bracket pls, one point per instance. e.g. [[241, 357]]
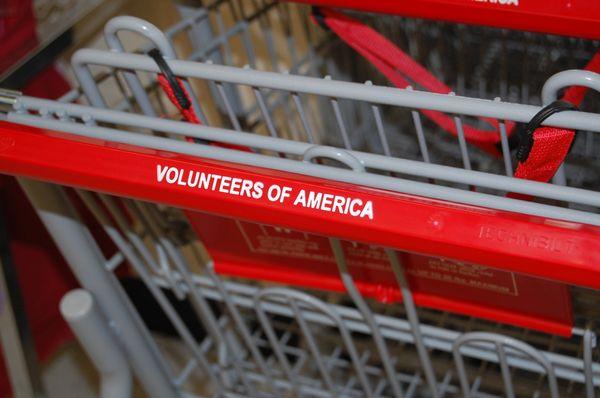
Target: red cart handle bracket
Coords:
[[545, 148], [527, 136], [542, 149]]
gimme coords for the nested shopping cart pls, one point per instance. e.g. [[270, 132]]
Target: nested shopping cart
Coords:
[[307, 235]]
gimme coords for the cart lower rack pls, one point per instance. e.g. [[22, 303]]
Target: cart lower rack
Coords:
[[409, 270]]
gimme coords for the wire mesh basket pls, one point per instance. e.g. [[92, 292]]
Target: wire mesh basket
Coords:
[[268, 294]]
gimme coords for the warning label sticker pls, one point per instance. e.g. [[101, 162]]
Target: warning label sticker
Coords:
[[284, 242], [303, 260]]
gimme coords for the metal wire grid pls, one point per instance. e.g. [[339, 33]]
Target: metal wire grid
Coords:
[[486, 63], [306, 117], [238, 342], [237, 334], [273, 341]]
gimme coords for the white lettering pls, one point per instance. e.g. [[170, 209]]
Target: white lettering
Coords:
[[338, 204], [212, 182], [301, 199], [334, 203], [353, 210], [180, 178], [314, 200], [235, 186], [257, 193], [224, 187], [160, 172], [192, 183], [327, 202], [204, 180], [274, 193], [172, 175], [367, 210], [246, 186], [285, 193], [215, 179]]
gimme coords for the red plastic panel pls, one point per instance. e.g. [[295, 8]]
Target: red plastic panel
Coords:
[[275, 254], [557, 250], [579, 18]]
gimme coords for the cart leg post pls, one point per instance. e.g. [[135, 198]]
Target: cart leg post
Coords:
[[16, 339], [87, 263], [368, 317], [93, 332], [589, 344], [413, 318]]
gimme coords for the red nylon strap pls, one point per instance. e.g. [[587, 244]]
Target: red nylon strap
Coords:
[[403, 71], [189, 114], [551, 145]]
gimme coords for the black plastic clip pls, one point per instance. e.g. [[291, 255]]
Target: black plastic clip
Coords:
[[526, 135], [319, 18], [166, 70]]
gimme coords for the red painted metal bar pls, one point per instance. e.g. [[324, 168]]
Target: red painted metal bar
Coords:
[[578, 18], [551, 249]]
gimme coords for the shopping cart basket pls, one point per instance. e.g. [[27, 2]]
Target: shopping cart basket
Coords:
[[400, 215]]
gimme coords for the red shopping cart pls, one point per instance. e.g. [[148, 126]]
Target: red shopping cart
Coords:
[[338, 189], [567, 18]]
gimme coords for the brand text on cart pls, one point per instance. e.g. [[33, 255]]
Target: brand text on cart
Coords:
[[341, 204]]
